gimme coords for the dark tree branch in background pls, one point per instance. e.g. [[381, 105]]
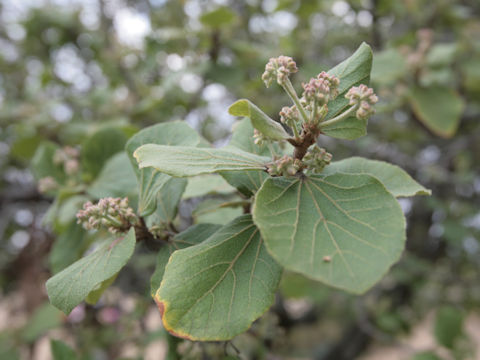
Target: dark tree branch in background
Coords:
[[376, 34], [215, 46]]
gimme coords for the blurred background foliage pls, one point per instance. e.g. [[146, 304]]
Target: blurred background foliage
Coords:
[[78, 78]]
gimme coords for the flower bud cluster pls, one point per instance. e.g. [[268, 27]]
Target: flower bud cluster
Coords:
[[112, 213], [47, 184], [279, 69], [285, 166], [289, 116], [317, 158], [322, 89], [364, 98], [68, 157]]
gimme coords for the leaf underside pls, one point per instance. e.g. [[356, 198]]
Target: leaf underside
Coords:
[[183, 161], [192, 236], [150, 180], [344, 230], [248, 182], [260, 121], [215, 290]]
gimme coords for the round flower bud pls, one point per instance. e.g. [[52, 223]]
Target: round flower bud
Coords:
[[364, 98], [289, 115], [279, 69]]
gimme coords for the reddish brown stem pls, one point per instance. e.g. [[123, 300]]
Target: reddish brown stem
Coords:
[[308, 137]]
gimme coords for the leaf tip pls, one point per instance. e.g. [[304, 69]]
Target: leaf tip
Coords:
[[136, 155], [239, 108]]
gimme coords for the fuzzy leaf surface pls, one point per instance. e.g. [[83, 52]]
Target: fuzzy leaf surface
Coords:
[[168, 199], [150, 180], [260, 121], [183, 161], [192, 236], [67, 248], [352, 72], [344, 230], [206, 184], [215, 290], [395, 179], [247, 182], [72, 285], [217, 211]]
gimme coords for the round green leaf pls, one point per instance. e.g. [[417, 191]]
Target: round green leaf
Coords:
[[192, 236], [438, 108], [344, 230], [216, 289]]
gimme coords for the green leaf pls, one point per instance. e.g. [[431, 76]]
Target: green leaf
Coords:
[[218, 17], [68, 208], [216, 211], [442, 54], [242, 138], [471, 75], [352, 72], [182, 161], [206, 184], [168, 199], [438, 108], [151, 180], [259, 119], [61, 351], [192, 236], [99, 147], [448, 326], [43, 165], [95, 295], [116, 179], [248, 182], [67, 248], [72, 285], [227, 282], [395, 179], [45, 318], [344, 230], [388, 66]]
